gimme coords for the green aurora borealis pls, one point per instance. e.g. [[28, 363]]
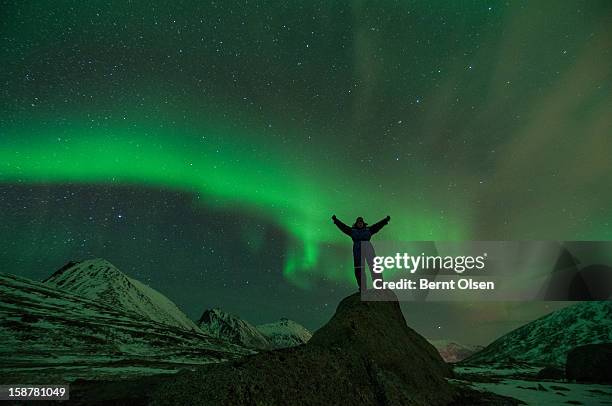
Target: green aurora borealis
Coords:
[[298, 199], [461, 120]]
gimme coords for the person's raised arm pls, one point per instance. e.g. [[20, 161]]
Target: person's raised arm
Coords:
[[343, 227], [374, 228]]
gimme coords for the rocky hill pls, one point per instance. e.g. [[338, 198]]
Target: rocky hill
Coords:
[[366, 354]]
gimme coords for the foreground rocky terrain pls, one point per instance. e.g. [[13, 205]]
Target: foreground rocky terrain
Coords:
[[366, 354]]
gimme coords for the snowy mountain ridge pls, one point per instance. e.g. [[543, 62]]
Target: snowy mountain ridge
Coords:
[[285, 333], [98, 279], [224, 325], [48, 332], [451, 351], [281, 334], [547, 340]]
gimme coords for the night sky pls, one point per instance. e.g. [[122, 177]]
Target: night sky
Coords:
[[202, 147]]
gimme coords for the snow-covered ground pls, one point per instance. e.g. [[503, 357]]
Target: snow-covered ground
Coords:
[[519, 382], [524, 370], [548, 393]]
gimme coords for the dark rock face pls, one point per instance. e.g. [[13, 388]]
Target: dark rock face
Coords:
[[378, 329], [590, 363], [366, 354]]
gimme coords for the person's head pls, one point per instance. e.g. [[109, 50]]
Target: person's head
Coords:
[[359, 223]]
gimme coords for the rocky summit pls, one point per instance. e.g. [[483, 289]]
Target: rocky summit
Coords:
[[366, 354]]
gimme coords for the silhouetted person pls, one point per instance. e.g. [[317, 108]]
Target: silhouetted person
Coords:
[[363, 251]]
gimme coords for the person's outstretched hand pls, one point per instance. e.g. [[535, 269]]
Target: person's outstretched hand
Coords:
[[388, 218], [334, 217]]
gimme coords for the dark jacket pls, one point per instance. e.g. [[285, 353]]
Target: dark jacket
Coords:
[[359, 235]]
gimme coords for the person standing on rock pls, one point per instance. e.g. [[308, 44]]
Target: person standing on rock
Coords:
[[363, 251]]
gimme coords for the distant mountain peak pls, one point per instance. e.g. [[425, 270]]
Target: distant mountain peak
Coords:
[[227, 326], [452, 351], [285, 333], [281, 334]]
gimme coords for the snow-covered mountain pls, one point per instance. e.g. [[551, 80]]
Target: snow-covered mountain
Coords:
[[285, 333], [281, 334], [547, 340], [58, 334], [99, 280], [220, 324], [454, 352]]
